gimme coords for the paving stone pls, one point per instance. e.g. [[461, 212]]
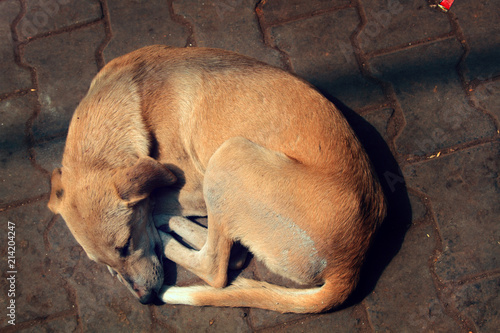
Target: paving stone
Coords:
[[487, 95], [49, 154], [428, 88], [18, 179], [279, 10], [67, 324], [13, 76], [393, 23], [43, 16], [339, 321], [135, 24], [481, 302], [418, 209], [478, 20], [104, 304], [31, 300], [182, 318], [230, 25], [321, 52], [463, 190], [380, 120], [405, 299], [59, 60], [14, 113]]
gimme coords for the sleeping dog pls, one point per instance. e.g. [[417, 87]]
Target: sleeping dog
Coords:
[[270, 161]]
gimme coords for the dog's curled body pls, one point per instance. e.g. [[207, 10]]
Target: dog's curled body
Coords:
[[272, 163]]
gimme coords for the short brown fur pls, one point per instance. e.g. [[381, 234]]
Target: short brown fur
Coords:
[[272, 163]]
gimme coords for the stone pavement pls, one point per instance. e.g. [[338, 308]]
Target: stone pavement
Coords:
[[420, 87]]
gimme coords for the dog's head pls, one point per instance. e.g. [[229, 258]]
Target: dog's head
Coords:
[[108, 213]]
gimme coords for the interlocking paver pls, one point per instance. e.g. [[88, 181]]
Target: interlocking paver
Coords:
[[481, 301], [231, 25], [405, 299], [43, 16], [19, 179], [331, 65], [35, 296], [425, 88], [479, 22], [134, 25], [49, 154], [282, 10], [205, 319], [13, 76], [391, 23], [14, 113], [104, 304], [65, 324], [429, 90], [463, 189], [342, 321], [65, 65], [379, 119], [487, 96]]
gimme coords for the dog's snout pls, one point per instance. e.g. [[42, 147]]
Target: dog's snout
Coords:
[[145, 296]]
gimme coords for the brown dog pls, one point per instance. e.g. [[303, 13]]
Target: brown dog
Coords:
[[271, 162]]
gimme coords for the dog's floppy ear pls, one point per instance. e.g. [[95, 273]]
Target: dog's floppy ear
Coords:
[[135, 183], [56, 190]]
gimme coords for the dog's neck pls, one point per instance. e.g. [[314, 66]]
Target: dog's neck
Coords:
[[107, 130]]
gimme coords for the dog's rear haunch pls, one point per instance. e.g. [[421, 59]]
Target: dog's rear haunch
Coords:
[[271, 162]]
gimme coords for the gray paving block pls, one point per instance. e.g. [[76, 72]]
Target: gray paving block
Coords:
[[479, 22], [321, 52], [282, 10], [182, 318], [346, 320], [65, 65], [19, 179], [14, 113], [13, 77], [428, 87], [231, 25], [135, 24], [405, 299], [463, 190], [43, 16], [392, 23], [39, 291], [487, 97], [480, 300]]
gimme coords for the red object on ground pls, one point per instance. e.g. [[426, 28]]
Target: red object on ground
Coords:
[[446, 4]]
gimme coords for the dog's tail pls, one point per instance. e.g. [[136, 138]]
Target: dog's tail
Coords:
[[256, 294]]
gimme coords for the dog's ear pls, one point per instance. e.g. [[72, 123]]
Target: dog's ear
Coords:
[[135, 183], [56, 190]]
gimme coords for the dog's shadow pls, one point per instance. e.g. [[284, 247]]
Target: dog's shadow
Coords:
[[390, 236]]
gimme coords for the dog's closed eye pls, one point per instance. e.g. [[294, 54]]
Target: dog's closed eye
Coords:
[[124, 250]]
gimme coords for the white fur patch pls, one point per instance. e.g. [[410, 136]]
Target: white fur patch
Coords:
[[179, 295]]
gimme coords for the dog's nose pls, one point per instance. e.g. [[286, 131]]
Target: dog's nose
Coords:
[[147, 298]]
